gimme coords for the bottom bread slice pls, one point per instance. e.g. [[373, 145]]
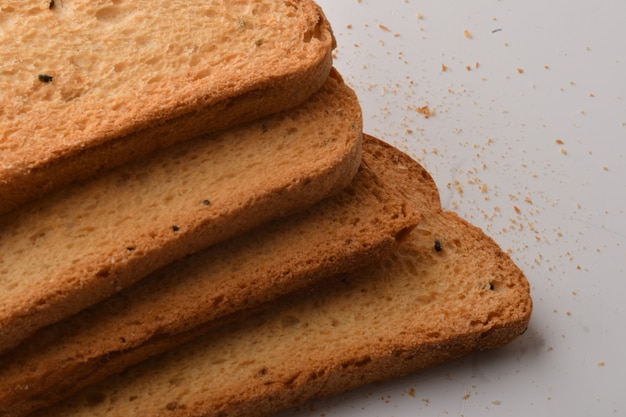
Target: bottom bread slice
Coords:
[[448, 291]]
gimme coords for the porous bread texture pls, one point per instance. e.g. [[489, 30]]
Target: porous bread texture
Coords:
[[69, 250], [418, 308], [362, 224], [130, 77]]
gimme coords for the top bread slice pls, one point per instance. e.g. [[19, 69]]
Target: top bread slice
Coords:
[[80, 245], [448, 291], [361, 225], [86, 85]]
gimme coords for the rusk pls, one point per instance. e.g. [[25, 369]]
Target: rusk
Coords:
[[86, 85], [362, 224], [80, 245], [448, 291]]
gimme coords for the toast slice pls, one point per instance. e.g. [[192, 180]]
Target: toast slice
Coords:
[[87, 85], [80, 245], [362, 224], [425, 304]]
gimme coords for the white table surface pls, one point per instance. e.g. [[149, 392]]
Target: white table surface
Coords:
[[527, 140]]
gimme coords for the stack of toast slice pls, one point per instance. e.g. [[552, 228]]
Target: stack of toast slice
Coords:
[[223, 240]]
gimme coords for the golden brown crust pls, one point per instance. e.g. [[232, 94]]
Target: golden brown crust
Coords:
[[423, 305], [176, 108], [82, 244]]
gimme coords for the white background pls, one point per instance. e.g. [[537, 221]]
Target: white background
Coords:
[[527, 141]]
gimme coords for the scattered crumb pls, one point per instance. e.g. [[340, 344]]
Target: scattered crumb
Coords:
[[349, 26], [563, 151], [425, 111], [520, 70], [559, 142], [466, 396], [467, 34], [444, 68], [468, 67], [411, 392], [591, 95], [383, 27], [546, 67], [517, 210], [605, 168], [420, 16], [601, 363], [496, 402]]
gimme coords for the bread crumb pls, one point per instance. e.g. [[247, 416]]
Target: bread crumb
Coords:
[[466, 396], [468, 67], [546, 67], [411, 392], [349, 26], [496, 402], [517, 210], [420, 16], [559, 142], [563, 151], [601, 363], [467, 34], [444, 68], [520, 70], [425, 111], [383, 27]]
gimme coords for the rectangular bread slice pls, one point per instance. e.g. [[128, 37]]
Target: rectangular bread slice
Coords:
[[68, 250], [362, 224], [448, 291], [87, 85]]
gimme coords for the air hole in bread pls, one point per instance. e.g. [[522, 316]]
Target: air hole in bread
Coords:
[[403, 234], [103, 273], [357, 363], [110, 14]]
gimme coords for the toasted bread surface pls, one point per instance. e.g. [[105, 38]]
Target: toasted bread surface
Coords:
[[82, 244], [87, 85], [425, 304], [362, 224]]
